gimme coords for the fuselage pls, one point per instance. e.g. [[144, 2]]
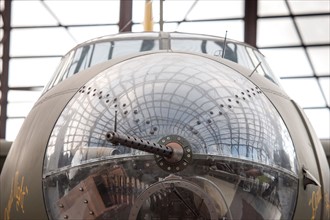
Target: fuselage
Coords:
[[243, 147]]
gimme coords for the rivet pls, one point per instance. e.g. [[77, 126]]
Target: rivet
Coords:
[[91, 212], [85, 201], [61, 206], [66, 217], [81, 189]]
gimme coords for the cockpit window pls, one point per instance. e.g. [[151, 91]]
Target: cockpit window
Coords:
[[214, 48], [263, 69], [80, 61], [92, 53]]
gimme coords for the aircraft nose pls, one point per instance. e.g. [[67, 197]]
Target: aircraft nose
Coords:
[[221, 130], [214, 107]]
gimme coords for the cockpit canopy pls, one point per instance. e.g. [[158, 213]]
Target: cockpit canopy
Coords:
[[106, 48]]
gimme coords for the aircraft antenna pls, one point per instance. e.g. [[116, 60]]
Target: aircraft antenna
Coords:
[[255, 69], [224, 47]]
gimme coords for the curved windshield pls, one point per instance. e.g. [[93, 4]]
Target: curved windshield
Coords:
[[241, 157], [103, 49]]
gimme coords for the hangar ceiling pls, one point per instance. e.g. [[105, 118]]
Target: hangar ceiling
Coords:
[[293, 35]]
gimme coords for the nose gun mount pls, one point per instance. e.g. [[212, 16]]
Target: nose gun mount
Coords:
[[172, 153]]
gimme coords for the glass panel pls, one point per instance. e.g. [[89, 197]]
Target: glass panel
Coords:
[[288, 61], [40, 41], [80, 61], [85, 12], [171, 27], [319, 119], [270, 8], [264, 69], [325, 85], [242, 156], [180, 6], [168, 6], [19, 109], [23, 96], [82, 34], [306, 92], [276, 32], [234, 52], [122, 48], [140, 27], [21, 14], [138, 12], [305, 7], [151, 104], [60, 70], [2, 5], [12, 127], [217, 9], [320, 57], [217, 28], [31, 71], [312, 33], [101, 52]]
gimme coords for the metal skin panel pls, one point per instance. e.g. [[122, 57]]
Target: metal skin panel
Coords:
[[314, 201]]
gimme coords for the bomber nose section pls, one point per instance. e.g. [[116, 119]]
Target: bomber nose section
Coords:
[[170, 131]]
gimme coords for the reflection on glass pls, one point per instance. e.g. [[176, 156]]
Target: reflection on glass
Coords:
[[243, 161]]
